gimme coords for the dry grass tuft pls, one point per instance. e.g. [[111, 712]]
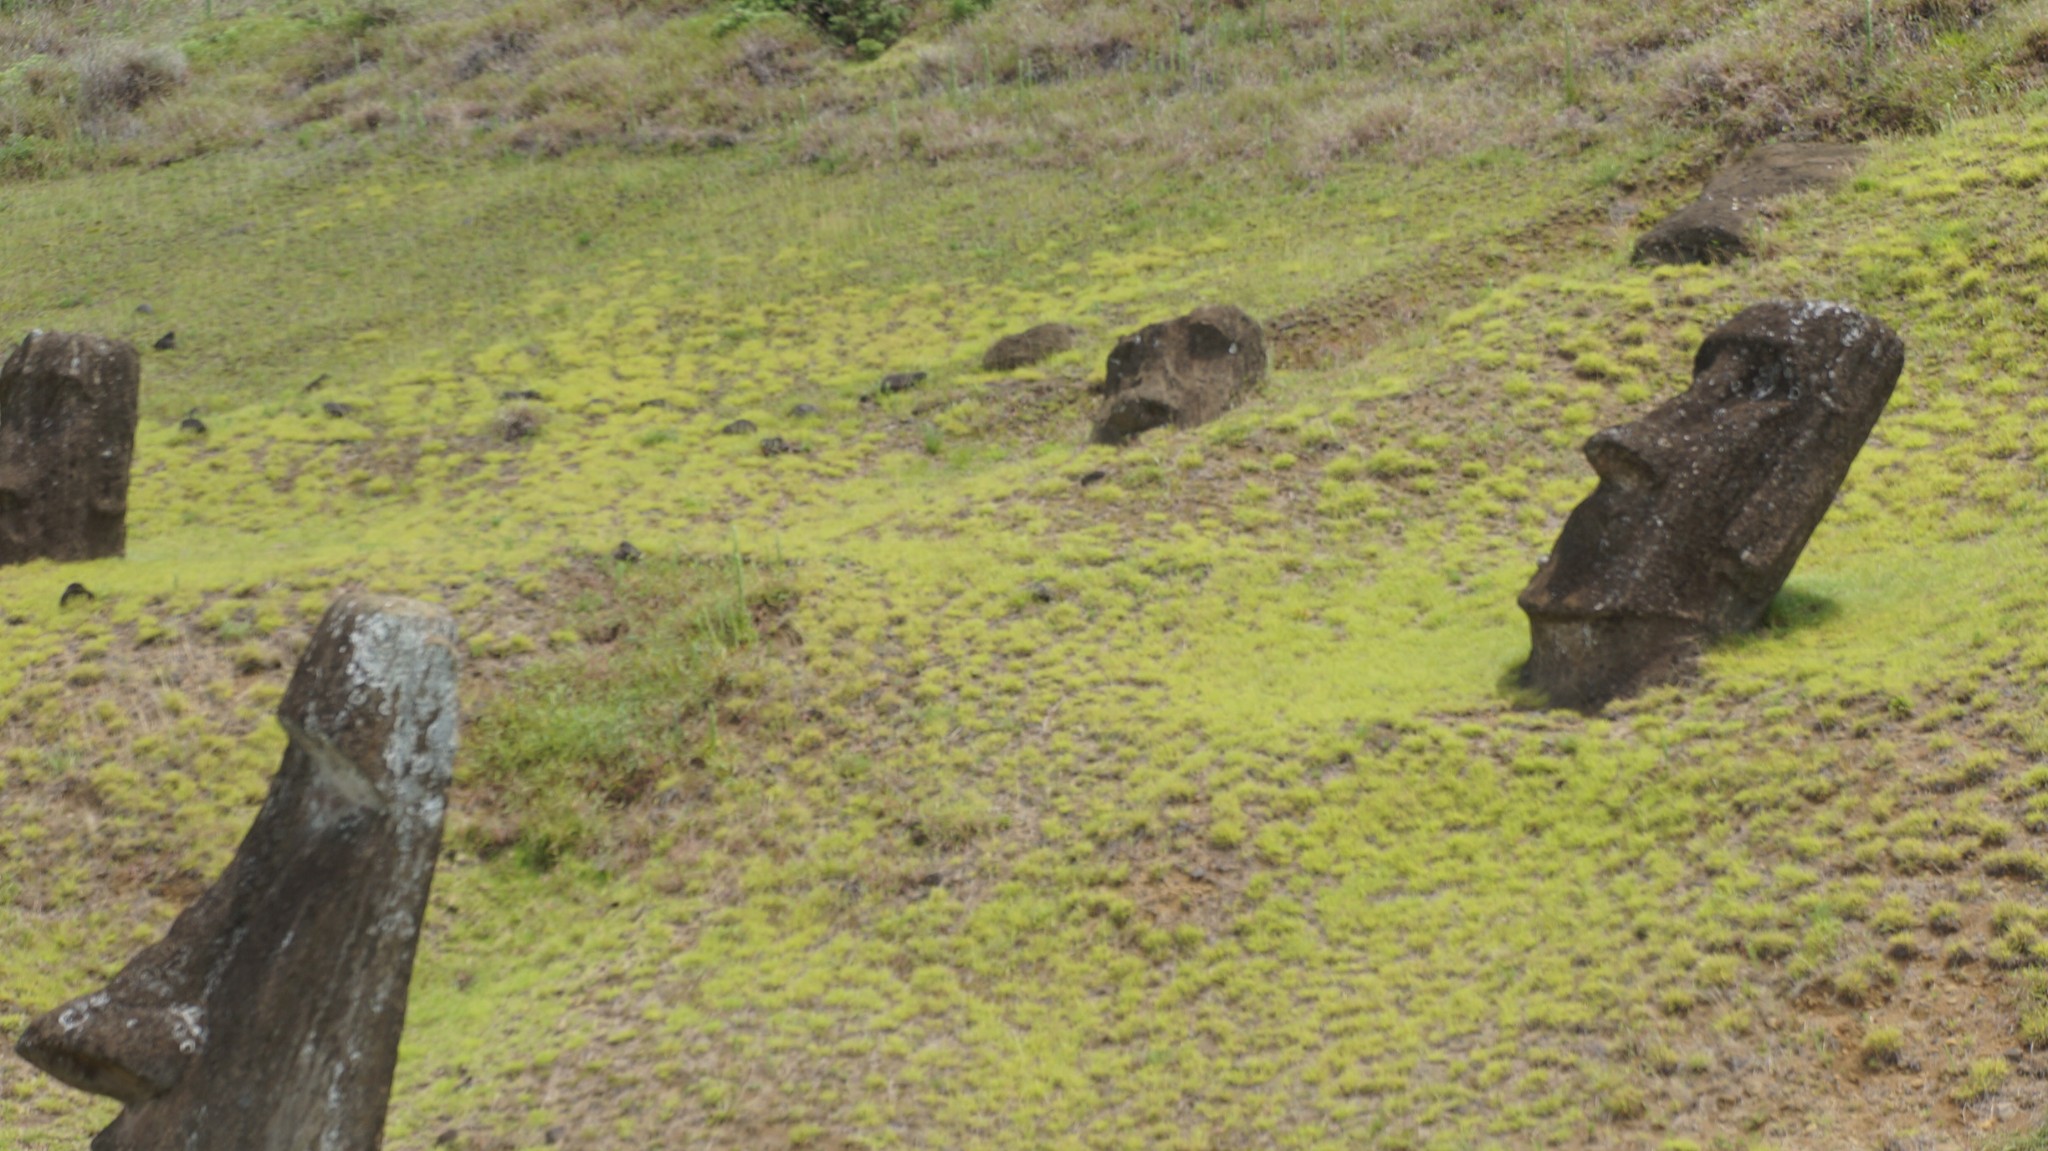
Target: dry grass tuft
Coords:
[[116, 78]]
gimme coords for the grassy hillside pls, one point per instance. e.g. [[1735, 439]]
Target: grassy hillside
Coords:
[[912, 792]]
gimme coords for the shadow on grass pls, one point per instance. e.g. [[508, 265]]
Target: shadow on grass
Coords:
[[1796, 609]]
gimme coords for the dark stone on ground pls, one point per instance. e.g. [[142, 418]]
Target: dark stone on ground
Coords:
[[738, 428], [520, 394], [1027, 347], [1715, 228], [76, 591], [269, 1015], [777, 446], [337, 410], [192, 424], [899, 382], [1705, 503], [1183, 372], [166, 342], [315, 385], [67, 440], [144, 310], [1094, 477], [626, 553], [1040, 592], [806, 411]]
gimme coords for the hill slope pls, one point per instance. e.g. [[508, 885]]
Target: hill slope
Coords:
[[913, 792]]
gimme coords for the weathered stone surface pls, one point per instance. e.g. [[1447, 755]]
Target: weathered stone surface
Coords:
[[67, 438], [1715, 228], [1705, 503], [269, 1016], [1184, 372], [1022, 349]]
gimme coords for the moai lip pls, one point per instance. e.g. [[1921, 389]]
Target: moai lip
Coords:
[[1705, 504], [68, 407], [269, 1016], [1183, 372]]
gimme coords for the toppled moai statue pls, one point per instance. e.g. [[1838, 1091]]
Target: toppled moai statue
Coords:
[[1705, 503], [269, 1016], [1184, 372], [67, 437], [1715, 228], [1022, 349]]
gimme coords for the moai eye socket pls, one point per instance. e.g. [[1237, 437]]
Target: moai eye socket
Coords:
[[1207, 342], [1769, 379], [1754, 371]]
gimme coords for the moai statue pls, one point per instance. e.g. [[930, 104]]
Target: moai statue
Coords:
[[268, 1018], [1714, 229], [1705, 503], [1184, 372], [67, 437]]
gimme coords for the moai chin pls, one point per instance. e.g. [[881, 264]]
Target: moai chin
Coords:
[[1705, 503], [1184, 372], [269, 1016], [67, 437]]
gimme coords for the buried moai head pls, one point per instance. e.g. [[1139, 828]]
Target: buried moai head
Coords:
[[67, 437], [269, 1015], [1183, 372], [1705, 503]]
